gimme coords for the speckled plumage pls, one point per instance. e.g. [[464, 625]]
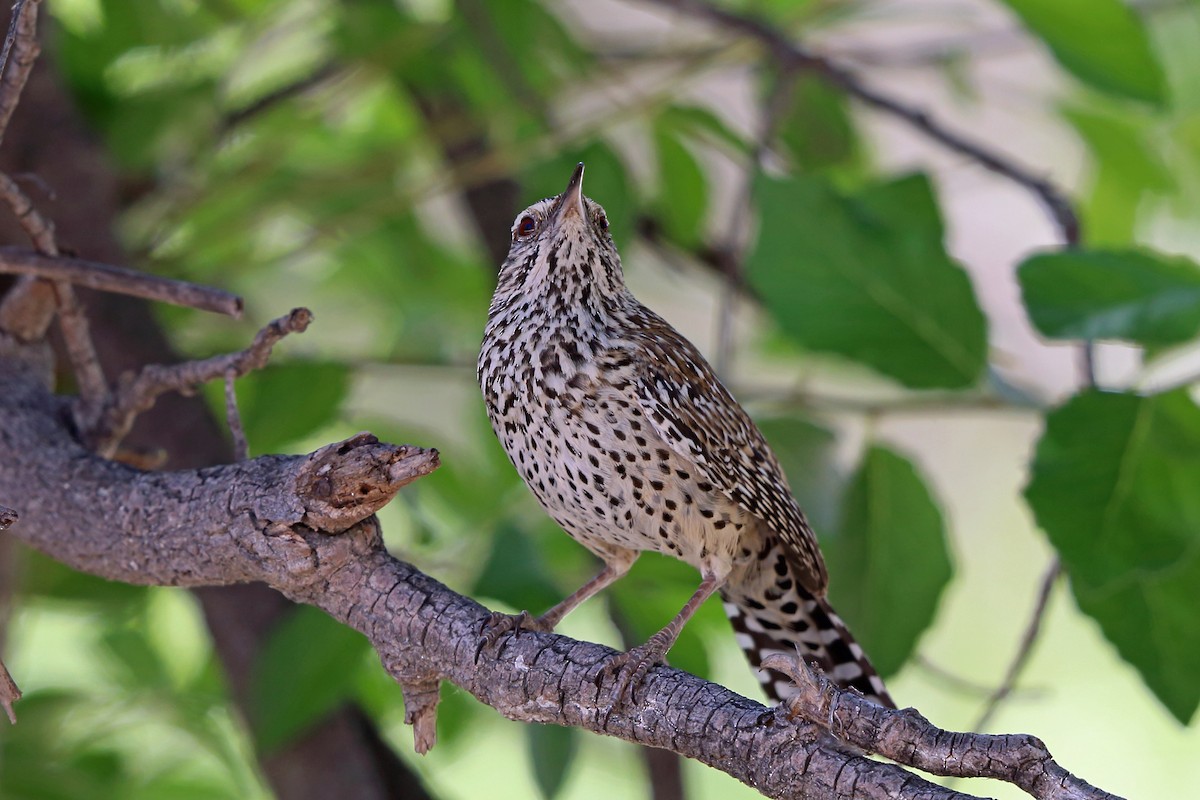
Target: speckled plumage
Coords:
[[621, 430]]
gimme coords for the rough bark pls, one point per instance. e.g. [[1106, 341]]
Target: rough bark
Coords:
[[275, 520]]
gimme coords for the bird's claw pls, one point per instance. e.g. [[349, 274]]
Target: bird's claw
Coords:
[[499, 624], [629, 670]]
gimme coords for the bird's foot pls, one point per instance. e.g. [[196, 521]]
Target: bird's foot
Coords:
[[629, 669], [498, 624]]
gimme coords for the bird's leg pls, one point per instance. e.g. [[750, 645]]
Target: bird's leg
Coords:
[[499, 623], [631, 666]]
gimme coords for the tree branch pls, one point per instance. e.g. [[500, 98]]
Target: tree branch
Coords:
[[905, 736], [274, 519], [120, 280]]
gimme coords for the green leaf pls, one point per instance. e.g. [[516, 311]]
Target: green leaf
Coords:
[[1128, 165], [703, 123], [867, 277], [1114, 487], [514, 573], [1102, 42], [551, 750], [818, 130], [284, 402], [889, 560], [682, 188], [1135, 295], [306, 669]]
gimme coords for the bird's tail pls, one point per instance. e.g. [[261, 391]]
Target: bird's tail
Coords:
[[772, 613]]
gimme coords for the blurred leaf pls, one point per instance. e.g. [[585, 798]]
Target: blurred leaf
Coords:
[[889, 560], [1102, 42], [806, 451], [703, 123], [1128, 166], [682, 188], [286, 401], [1113, 485], [514, 573], [306, 669], [551, 750], [1134, 295], [43, 576], [818, 130], [867, 277]]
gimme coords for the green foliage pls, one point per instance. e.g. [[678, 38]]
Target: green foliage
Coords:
[[889, 560], [551, 751], [867, 277], [1101, 41], [284, 402], [308, 656], [1134, 295], [1114, 487]]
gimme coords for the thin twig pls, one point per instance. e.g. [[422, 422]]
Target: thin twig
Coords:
[[136, 392], [9, 693], [22, 46], [1005, 689], [93, 388], [950, 681], [908, 738], [233, 418], [119, 280], [792, 55]]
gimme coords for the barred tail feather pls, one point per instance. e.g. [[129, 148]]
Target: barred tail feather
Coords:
[[773, 619]]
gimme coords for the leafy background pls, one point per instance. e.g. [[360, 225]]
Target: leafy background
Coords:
[[909, 341]]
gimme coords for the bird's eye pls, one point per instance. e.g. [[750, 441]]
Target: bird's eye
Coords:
[[526, 227], [601, 221]]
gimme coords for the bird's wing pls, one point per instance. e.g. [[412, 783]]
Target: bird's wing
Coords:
[[700, 420]]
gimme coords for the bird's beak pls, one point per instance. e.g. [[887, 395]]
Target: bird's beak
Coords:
[[571, 201]]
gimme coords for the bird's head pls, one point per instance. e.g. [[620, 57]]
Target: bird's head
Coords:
[[562, 245]]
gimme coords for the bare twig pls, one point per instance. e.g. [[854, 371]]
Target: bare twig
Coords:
[[9, 693], [908, 738], [137, 392], [22, 47], [119, 280], [1005, 689], [792, 55], [241, 450]]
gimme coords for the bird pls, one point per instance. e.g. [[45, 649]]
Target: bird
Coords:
[[622, 431]]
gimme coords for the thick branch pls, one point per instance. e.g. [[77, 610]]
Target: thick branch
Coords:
[[270, 520], [907, 737]]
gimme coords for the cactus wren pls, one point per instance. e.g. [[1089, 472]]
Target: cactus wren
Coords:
[[621, 430]]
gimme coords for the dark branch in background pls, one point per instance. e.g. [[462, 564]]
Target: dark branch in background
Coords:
[[907, 737], [791, 55]]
